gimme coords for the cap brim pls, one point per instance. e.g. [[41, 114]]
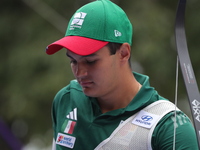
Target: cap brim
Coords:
[[79, 45]]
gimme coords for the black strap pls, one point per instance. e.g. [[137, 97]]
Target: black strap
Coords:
[[186, 67]]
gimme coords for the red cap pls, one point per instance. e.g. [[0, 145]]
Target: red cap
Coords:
[[77, 44]]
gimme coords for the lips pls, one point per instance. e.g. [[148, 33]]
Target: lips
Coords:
[[86, 83]]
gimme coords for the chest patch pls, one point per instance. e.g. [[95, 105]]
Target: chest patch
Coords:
[[145, 119], [65, 140]]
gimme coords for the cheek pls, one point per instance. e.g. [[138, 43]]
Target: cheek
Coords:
[[103, 75], [73, 69], [104, 72]]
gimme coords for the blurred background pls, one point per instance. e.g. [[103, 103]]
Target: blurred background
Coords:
[[29, 78]]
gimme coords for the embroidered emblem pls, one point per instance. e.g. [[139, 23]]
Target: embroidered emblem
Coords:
[[117, 33], [78, 20]]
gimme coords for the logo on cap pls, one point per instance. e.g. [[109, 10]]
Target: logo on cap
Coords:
[[78, 20], [117, 33]]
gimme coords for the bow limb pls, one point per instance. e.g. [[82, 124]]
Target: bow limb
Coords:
[[186, 67]]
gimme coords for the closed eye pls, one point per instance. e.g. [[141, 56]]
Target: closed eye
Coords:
[[72, 61], [91, 61]]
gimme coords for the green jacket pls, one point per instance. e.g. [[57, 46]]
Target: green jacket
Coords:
[[79, 124]]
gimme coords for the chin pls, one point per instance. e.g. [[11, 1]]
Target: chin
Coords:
[[90, 92]]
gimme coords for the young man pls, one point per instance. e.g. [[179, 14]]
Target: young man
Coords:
[[108, 106]]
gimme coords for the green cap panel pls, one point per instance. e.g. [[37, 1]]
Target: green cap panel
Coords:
[[101, 20]]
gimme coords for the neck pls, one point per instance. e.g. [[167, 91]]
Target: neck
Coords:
[[121, 96]]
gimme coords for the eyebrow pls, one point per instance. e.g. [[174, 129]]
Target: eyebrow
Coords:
[[82, 56]]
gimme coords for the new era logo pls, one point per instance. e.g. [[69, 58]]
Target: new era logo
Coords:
[[117, 33]]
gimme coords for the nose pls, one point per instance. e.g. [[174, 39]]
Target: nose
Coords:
[[81, 70]]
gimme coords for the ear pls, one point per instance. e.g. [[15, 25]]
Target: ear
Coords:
[[125, 52]]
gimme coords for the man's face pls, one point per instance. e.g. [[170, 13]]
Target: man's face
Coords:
[[96, 73]]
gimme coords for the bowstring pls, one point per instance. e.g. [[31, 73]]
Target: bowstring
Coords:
[[175, 102]]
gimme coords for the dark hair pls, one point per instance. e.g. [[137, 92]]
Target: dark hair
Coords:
[[113, 47]]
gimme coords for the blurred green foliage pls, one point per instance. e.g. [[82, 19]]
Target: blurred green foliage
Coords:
[[29, 78]]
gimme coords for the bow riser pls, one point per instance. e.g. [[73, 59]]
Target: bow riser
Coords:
[[186, 67]]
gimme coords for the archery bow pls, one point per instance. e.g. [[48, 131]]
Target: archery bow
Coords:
[[186, 67]]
